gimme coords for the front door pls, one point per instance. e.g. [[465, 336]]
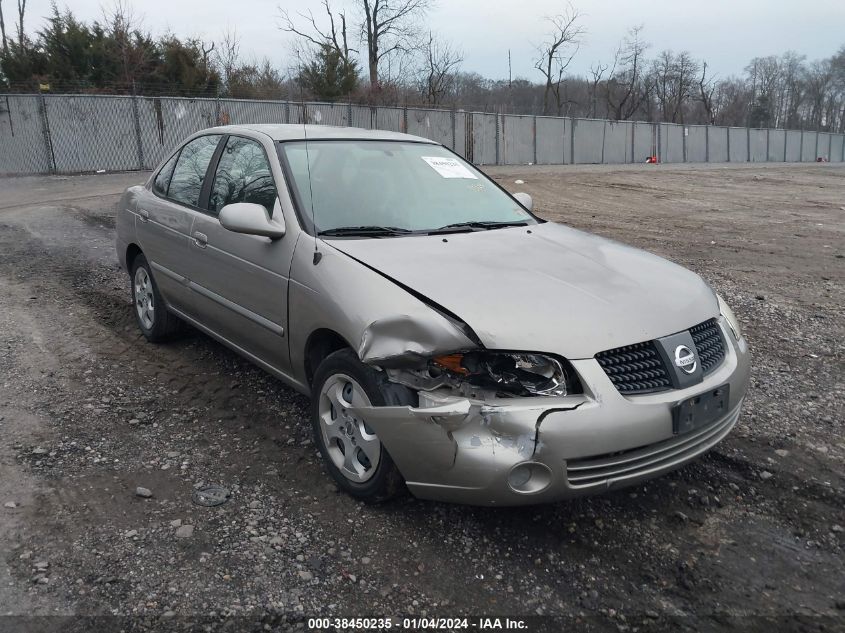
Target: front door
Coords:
[[239, 282]]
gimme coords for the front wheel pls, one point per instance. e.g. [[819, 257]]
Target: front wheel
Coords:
[[353, 453]]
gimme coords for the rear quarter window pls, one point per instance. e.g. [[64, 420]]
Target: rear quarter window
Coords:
[[162, 179]]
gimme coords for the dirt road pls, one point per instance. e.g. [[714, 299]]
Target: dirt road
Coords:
[[750, 536]]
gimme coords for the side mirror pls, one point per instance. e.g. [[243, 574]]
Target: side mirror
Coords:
[[251, 219], [525, 200]]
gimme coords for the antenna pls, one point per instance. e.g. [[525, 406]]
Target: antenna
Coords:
[[317, 254]]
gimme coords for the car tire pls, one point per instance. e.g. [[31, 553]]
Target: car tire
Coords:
[[152, 316], [382, 481]]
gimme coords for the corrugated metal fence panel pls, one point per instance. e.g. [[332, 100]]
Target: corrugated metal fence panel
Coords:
[[552, 140], [824, 146], [617, 142], [738, 137], [432, 124], [243, 112], [166, 121], [718, 144], [671, 143], [23, 147], [92, 133], [461, 121], [518, 139], [588, 140], [390, 119], [793, 146], [645, 141], [759, 152], [482, 139], [362, 116], [777, 138], [697, 143], [836, 147], [808, 147], [327, 114]]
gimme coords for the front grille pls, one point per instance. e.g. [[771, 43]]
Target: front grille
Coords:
[[635, 368], [708, 341], [639, 368], [636, 462]]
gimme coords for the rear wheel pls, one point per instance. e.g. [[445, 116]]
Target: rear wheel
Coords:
[[155, 322], [353, 453]]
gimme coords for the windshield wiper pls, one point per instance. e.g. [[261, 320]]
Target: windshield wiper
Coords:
[[476, 224], [374, 231]]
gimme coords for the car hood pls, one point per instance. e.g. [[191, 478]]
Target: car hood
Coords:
[[546, 288]]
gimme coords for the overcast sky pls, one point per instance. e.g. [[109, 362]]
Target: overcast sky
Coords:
[[726, 33]]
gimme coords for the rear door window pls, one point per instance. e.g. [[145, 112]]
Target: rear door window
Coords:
[[188, 176], [162, 179], [243, 175]]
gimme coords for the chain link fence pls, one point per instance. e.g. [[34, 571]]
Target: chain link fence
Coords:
[[83, 133]]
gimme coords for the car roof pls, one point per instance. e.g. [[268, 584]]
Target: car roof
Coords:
[[319, 132]]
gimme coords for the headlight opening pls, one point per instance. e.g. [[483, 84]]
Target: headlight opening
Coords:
[[512, 373]]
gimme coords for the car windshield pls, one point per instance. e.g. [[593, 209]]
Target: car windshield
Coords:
[[361, 187]]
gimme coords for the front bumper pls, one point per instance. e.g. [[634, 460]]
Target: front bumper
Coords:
[[464, 451]]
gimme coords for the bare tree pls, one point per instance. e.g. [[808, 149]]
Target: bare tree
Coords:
[[21, 34], [557, 51], [334, 37], [121, 24], [624, 86], [706, 88], [3, 31], [437, 75], [388, 27], [596, 73], [227, 57]]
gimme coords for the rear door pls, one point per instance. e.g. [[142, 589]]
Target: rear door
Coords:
[[239, 282], [164, 216]]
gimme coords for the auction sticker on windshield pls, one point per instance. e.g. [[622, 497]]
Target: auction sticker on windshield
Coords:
[[448, 167]]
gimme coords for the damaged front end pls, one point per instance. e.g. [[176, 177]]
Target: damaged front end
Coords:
[[478, 418]]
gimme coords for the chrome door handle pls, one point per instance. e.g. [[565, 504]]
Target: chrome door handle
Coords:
[[143, 214], [200, 239]]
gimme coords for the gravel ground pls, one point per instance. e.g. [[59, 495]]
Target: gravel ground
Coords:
[[104, 438]]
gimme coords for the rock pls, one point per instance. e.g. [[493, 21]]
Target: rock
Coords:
[[131, 534], [185, 531], [173, 454], [255, 505], [39, 451], [10, 504], [42, 565], [519, 182], [176, 523], [365, 560], [781, 452], [145, 493], [680, 515], [836, 528], [305, 575], [654, 615], [765, 475]]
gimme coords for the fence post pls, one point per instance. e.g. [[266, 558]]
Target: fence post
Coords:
[[136, 117], [603, 140], [801, 147], [497, 139], [216, 106], [287, 111], [748, 144], [572, 124], [534, 132], [659, 152], [707, 144], [633, 133], [785, 139], [829, 147], [349, 114], [45, 129], [817, 147], [729, 142], [454, 135], [405, 119], [684, 141], [768, 134]]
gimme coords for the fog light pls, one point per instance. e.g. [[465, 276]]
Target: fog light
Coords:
[[529, 478]]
